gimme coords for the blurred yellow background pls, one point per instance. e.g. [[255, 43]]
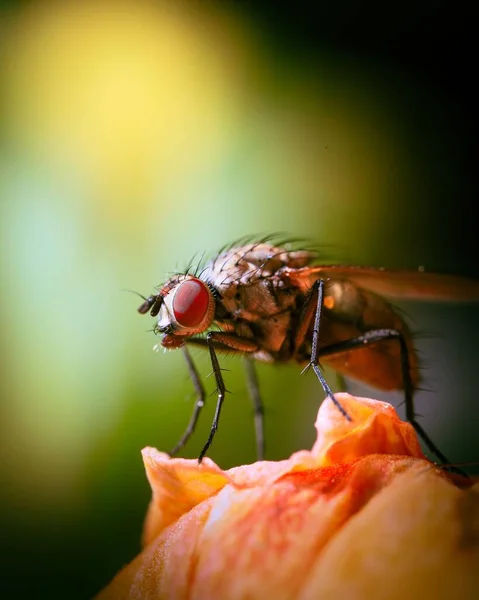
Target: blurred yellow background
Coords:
[[134, 136]]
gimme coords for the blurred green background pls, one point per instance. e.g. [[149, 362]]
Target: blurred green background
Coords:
[[136, 134]]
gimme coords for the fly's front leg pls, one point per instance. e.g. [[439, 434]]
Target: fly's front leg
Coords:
[[200, 402], [313, 307], [253, 389], [220, 388], [235, 343], [380, 335]]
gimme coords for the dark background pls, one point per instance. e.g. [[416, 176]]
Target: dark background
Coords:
[[71, 518], [430, 45]]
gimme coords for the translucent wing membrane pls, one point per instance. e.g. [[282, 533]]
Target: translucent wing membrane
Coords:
[[417, 285]]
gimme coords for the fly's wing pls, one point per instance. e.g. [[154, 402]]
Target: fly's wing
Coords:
[[414, 285]]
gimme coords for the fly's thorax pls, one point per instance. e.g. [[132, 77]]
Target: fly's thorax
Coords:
[[188, 309], [250, 263], [255, 300]]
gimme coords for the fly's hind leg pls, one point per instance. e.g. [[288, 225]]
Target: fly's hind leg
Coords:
[[380, 335], [312, 308]]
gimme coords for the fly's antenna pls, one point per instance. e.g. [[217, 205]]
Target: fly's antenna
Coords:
[[152, 304]]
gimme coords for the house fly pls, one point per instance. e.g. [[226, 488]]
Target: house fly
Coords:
[[273, 304]]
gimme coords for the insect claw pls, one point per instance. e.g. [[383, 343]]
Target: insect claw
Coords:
[[306, 369]]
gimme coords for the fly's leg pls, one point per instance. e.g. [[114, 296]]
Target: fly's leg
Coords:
[[200, 402], [253, 389], [235, 343], [380, 335], [220, 388], [313, 307]]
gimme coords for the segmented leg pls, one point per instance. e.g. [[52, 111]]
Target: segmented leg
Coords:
[[220, 387], [379, 335], [313, 306], [225, 341], [200, 402], [253, 389]]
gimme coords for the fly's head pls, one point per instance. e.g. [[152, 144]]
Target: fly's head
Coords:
[[185, 306]]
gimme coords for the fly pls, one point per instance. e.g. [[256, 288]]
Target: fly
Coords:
[[272, 304]]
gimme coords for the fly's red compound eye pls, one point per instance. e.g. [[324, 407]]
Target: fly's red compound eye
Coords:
[[191, 302]]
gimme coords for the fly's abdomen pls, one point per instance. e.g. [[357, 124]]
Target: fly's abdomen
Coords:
[[350, 311]]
